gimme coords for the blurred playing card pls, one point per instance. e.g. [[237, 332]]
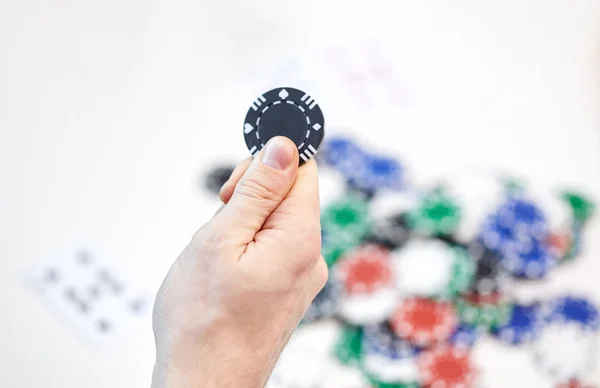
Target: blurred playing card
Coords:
[[91, 296]]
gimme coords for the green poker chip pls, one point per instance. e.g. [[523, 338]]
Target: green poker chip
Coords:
[[348, 219], [334, 244], [348, 348], [581, 207], [436, 214], [463, 272], [380, 384], [483, 316]]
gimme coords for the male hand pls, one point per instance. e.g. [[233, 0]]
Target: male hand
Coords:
[[233, 297]]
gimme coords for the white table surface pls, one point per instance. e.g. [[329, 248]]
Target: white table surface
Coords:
[[107, 108]]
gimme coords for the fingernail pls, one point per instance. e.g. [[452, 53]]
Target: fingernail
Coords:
[[278, 153]]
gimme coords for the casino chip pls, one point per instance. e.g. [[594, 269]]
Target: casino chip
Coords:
[[347, 216], [334, 243], [490, 278], [386, 357], [285, 112], [369, 293], [332, 185], [216, 178], [377, 173], [478, 194], [348, 348], [513, 226], [447, 367], [581, 207], [324, 305], [533, 263], [573, 309], [463, 272], [423, 267], [483, 316], [344, 155], [386, 203], [523, 325], [436, 214], [390, 232], [464, 336], [565, 350], [424, 322]]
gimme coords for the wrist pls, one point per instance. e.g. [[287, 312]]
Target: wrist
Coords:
[[216, 362]]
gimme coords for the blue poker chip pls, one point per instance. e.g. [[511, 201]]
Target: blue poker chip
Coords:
[[574, 309], [325, 304], [524, 324], [342, 154], [378, 173], [513, 226], [533, 263], [465, 336], [380, 339]]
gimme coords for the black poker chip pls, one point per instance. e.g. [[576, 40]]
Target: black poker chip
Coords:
[[216, 177], [391, 232], [490, 276], [285, 112]]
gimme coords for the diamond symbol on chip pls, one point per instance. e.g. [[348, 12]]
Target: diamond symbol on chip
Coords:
[[283, 94], [317, 126]]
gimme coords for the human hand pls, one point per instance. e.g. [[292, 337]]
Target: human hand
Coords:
[[232, 298]]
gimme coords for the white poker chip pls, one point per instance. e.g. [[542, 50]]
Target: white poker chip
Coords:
[[386, 202], [565, 350], [477, 193], [557, 212], [423, 267], [369, 308], [300, 365], [390, 370], [332, 185]]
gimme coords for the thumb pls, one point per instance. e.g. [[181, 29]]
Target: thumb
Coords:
[[261, 189]]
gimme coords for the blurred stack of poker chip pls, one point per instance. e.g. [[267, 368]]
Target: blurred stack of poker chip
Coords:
[[419, 275]]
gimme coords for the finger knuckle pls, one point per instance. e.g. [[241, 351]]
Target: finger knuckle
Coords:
[[259, 187]]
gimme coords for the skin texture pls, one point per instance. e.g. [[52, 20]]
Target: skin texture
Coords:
[[231, 300]]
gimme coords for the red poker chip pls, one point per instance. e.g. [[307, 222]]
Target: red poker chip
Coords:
[[484, 299], [366, 270], [424, 321], [447, 367], [560, 243], [574, 383]]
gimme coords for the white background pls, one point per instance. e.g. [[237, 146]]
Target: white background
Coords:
[[106, 110]]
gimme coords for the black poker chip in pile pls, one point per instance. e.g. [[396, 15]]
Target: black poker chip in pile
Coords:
[[216, 178], [391, 232], [490, 277]]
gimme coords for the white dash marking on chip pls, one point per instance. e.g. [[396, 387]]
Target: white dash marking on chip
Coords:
[[312, 149], [254, 106], [301, 108], [307, 120], [257, 102], [290, 102], [262, 98], [309, 100], [248, 128], [266, 107], [307, 152], [304, 97], [253, 150], [312, 105], [277, 102], [303, 157]]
